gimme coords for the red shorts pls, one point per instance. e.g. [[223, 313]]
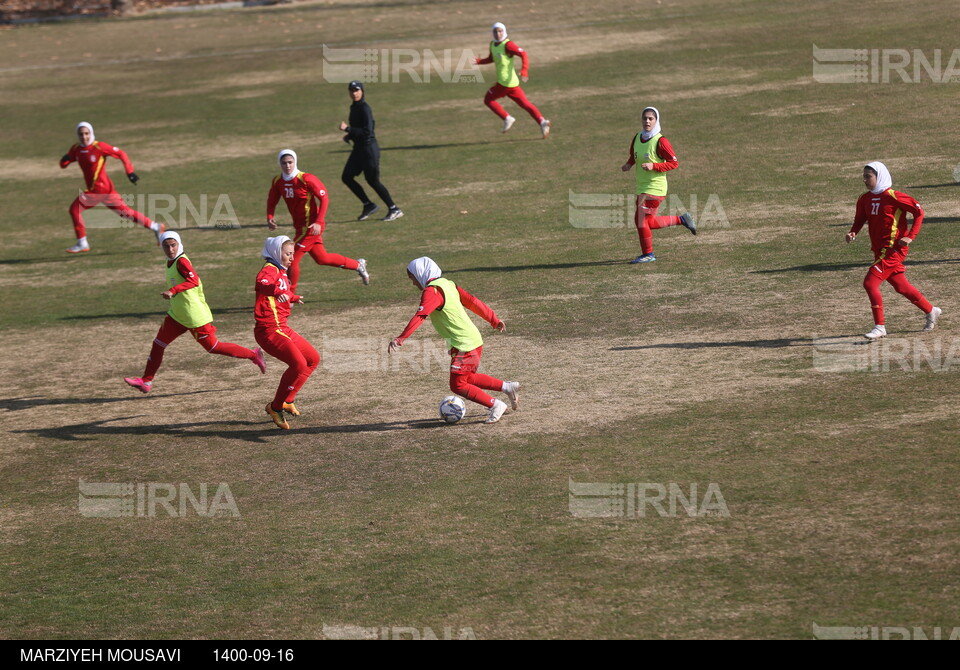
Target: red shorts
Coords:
[[889, 262], [465, 362], [171, 329]]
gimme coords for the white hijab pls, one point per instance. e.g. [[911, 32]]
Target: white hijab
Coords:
[[884, 180], [272, 249], [499, 25], [293, 175], [172, 235], [644, 135], [93, 138], [424, 269]]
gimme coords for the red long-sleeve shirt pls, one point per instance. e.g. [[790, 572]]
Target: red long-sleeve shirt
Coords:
[[885, 214], [91, 159], [664, 150], [306, 198], [273, 297], [511, 49], [191, 280], [432, 299]]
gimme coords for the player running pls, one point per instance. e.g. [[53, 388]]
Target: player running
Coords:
[[91, 155], [444, 302], [502, 51], [188, 311], [307, 201], [884, 211], [652, 152], [274, 296]]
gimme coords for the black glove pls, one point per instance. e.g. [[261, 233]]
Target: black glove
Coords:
[[133, 177], [65, 159]]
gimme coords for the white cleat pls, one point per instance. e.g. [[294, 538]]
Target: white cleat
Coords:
[[545, 128], [508, 123], [876, 333], [362, 271], [512, 389], [499, 407], [932, 319], [78, 248]]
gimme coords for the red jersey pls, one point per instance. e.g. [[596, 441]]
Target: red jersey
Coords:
[[306, 199], [511, 49], [432, 299], [91, 159], [664, 150], [273, 297], [885, 213]]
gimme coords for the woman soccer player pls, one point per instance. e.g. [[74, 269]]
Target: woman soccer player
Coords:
[[502, 51], [885, 210], [91, 155], [188, 311], [274, 295], [652, 152], [307, 201], [444, 302]]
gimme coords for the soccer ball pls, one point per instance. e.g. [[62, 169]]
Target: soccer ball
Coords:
[[452, 409]]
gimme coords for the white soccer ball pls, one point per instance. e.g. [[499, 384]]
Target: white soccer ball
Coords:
[[452, 409]]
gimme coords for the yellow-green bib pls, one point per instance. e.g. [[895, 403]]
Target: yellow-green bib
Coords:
[[452, 321], [506, 73], [649, 181], [188, 308]]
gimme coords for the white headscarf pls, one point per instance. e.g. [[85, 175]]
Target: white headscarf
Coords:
[[423, 270], [293, 175], [272, 249], [884, 180], [500, 25], [644, 135], [93, 138], [172, 235]]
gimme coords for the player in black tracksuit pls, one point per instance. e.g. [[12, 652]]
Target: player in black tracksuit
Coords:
[[365, 156]]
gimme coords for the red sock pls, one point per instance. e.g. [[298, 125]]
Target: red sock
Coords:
[[910, 292]]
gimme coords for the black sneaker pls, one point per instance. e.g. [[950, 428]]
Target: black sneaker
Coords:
[[368, 209], [394, 214]]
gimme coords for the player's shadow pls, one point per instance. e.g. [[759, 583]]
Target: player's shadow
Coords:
[[839, 267], [761, 344], [948, 184], [926, 220], [420, 147], [31, 402], [243, 431], [146, 315], [546, 266]]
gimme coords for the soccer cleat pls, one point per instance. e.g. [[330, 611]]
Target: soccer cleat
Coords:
[[932, 319], [78, 248], [545, 128], [508, 123], [290, 408], [394, 214], [512, 389], [160, 231], [260, 361], [688, 222], [644, 258], [362, 271], [368, 209], [139, 384], [278, 418], [499, 407], [876, 333]]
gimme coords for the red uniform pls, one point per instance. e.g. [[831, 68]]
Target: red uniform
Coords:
[[885, 215], [205, 335], [645, 217], [464, 378], [515, 93], [99, 188], [274, 295], [307, 201]]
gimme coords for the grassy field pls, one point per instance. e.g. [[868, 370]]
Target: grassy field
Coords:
[[710, 366]]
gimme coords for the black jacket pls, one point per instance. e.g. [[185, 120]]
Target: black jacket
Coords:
[[361, 124]]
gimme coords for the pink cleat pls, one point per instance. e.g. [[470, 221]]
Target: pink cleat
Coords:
[[139, 384], [260, 361]]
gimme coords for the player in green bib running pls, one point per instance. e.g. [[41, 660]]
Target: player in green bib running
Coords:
[[654, 157], [446, 304], [502, 51], [188, 311]]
